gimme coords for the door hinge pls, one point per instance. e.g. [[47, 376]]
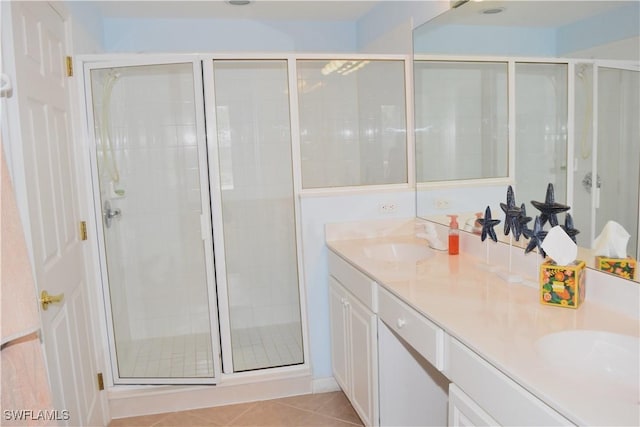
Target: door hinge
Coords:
[[83, 230], [100, 381], [69, 63]]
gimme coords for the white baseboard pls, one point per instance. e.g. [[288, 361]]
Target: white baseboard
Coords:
[[127, 401], [324, 385]]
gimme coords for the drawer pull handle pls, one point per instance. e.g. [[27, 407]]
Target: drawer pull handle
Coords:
[[401, 323]]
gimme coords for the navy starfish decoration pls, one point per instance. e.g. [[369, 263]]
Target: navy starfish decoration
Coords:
[[524, 220], [536, 237], [549, 209], [487, 226], [568, 227], [512, 214]]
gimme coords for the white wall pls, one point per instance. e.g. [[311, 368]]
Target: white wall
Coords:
[[387, 28], [587, 36], [217, 35], [612, 26], [86, 28], [316, 212]]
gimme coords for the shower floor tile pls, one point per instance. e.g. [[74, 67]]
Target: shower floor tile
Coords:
[[266, 346], [190, 356], [182, 356]]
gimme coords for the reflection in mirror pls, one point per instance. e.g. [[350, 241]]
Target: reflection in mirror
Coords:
[[573, 102], [461, 120], [541, 130]]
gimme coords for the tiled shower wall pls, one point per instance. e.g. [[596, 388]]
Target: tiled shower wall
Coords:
[[254, 136], [352, 125], [159, 246], [541, 131]]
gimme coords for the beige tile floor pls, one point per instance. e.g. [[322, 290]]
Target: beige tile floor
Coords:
[[324, 409]]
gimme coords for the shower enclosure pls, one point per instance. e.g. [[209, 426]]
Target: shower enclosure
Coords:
[[574, 123], [191, 164]]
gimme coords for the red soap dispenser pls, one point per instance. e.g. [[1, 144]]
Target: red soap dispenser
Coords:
[[454, 236]]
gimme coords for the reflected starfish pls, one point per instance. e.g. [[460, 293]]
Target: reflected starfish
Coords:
[[568, 227], [536, 237], [524, 220], [512, 214], [487, 226], [549, 209]]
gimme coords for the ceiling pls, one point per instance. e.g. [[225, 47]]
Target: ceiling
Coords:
[[267, 10]]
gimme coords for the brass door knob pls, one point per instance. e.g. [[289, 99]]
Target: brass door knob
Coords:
[[46, 299]]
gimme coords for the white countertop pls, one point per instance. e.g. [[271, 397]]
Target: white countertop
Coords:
[[501, 322]]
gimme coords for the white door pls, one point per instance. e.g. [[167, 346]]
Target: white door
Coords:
[[51, 187], [364, 361], [339, 346]]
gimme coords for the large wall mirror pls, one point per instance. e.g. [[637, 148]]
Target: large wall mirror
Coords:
[[527, 93]]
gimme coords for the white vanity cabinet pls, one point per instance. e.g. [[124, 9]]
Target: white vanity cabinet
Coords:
[[398, 366], [494, 395], [464, 412], [354, 337]]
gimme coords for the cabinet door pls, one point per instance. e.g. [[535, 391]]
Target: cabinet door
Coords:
[[498, 395], [339, 344], [464, 412], [363, 361]]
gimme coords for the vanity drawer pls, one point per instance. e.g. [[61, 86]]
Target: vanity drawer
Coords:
[[361, 286], [501, 397], [419, 332]]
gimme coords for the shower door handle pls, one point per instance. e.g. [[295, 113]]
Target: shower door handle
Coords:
[[109, 213]]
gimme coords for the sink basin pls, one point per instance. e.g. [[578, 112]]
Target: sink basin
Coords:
[[398, 252], [608, 356]]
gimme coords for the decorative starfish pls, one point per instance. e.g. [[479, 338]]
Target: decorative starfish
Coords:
[[512, 214], [487, 226], [549, 209], [536, 235], [568, 227], [524, 220]]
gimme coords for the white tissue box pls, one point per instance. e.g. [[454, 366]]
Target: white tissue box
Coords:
[[623, 267], [562, 285]]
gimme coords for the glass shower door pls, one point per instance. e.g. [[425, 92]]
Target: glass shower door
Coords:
[[257, 215], [151, 174]]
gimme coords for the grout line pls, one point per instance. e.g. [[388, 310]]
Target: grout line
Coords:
[[160, 420], [320, 413], [251, 406]]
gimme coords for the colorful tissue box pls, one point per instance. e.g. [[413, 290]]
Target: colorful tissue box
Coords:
[[562, 285], [623, 267]]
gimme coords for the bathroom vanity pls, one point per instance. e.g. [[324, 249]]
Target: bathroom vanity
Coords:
[[424, 338]]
